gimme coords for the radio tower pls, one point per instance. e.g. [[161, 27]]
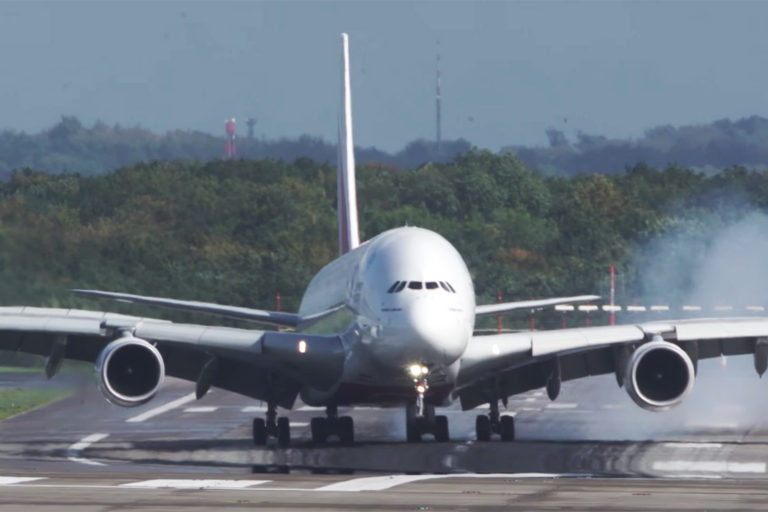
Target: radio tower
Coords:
[[437, 101], [230, 149]]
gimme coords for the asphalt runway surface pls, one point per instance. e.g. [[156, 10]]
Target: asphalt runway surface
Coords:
[[592, 448]]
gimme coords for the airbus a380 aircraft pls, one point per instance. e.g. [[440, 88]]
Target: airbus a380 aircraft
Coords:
[[408, 304]]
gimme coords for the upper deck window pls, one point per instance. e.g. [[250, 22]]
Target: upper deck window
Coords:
[[414, 285], [431, 285]]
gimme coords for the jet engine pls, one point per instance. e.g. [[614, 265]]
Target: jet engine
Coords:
[[130, 371], [659, 375]]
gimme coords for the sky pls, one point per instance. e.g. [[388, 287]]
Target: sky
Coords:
[[510, 70]]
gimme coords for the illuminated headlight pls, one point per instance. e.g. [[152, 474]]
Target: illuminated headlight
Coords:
[[302, 347], [415, 370]]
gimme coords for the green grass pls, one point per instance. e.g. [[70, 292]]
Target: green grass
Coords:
[[20, 369], [15, 401]]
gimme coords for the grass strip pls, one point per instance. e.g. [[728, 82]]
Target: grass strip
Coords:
[[15, 401]]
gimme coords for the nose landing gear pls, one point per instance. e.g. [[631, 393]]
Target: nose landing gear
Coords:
[[420, 418]]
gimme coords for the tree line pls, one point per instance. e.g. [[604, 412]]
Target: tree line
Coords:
[[237, 232]]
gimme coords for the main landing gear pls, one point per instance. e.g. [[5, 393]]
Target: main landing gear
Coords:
[[493, 423], [272, 426], [332, 424], [420, 418]]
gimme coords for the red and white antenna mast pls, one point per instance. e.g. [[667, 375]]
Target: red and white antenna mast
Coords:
[[230, 149], [439, 135]]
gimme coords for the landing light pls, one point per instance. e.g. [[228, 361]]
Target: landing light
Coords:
[[302, 347], [420, 388], [417, 370]]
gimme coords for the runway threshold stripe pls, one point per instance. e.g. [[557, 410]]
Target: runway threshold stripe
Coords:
[[201, 409], [161, 409], [194, 484], [712, 466], [12, 480]]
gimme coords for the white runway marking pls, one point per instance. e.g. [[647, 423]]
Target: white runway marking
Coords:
[[200, 409], [81, 445], [693, 445], [12, 480], [562, 406], [375, 483], [382, 483], [712, 466], [530, 399], [299, 424], [194, 484], [530, 409], [254, 408], [310, 408], [161, 409]]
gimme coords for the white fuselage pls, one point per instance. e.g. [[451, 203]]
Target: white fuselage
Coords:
[[407, 299]]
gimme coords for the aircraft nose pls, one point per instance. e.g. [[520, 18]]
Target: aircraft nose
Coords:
[[436, 330]]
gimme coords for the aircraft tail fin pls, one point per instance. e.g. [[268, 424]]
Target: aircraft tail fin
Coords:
[[349, 236]]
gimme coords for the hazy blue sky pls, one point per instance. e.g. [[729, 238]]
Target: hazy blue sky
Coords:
[[510, 69]]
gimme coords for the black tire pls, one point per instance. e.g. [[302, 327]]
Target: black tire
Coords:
[[346, 430], [412, 433], [319, 432], [507, 428], [441, 429], [483, 428], [259, 432], [283, 431]]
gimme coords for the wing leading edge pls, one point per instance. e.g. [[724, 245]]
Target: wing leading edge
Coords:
[[505, 307], [510, 363]]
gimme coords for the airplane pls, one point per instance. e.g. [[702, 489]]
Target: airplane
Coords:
[[407, 303]]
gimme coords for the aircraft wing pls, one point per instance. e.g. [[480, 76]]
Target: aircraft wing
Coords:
[[261, 364], [511, 363], [254, 315], [505, 307]]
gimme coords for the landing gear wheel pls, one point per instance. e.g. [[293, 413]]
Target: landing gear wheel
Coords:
[[507, 428], [441, 429], [412, 433], [318, 427], [259, 432], [346, 430], [283, 431], [483, 428]]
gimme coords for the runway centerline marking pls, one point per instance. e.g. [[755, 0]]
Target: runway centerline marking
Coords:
[[310, 408], [194, 484], [12, 480], [254, 408], [161, 409], [81, 445]]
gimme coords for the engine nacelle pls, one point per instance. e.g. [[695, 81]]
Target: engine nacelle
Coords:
[[659, 375], [130, 371]]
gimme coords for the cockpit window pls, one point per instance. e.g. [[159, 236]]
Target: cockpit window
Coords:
[[445, 286], [431, 285], [392, 288], [451, 287], [400, 286], [414, 285]]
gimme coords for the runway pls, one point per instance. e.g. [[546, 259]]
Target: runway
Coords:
[[87, 493], [83, 448]]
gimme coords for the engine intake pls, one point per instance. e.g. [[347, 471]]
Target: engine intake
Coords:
[[660, 375], [130, 371]]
